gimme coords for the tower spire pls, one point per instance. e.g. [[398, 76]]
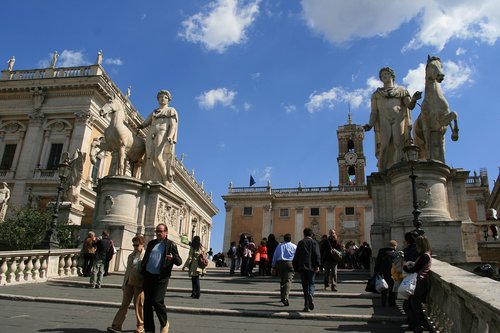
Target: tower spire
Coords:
[[349, 115]]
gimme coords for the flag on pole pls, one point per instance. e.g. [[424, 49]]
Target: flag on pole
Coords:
[[252, 181]]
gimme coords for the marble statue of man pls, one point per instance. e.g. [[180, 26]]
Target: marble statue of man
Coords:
[[160, 140], [390, 115], [73, 185], [10, 63], [53, 62], [99, 58], [4, 199]]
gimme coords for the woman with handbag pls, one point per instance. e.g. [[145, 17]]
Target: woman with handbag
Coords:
[[195, 266], [422, 267], [383, 266]]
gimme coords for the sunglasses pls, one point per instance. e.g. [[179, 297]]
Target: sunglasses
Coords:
[[135, 245]]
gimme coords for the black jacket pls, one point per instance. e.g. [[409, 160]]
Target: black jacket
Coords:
[[383, 264], [166, 265], [326, 246], [307, 256]]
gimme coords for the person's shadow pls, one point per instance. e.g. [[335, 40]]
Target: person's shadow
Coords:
[[78, 330]]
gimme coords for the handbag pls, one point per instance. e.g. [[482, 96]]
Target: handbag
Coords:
[[407, 286], [203, 260], [380, 284], [336, 254]]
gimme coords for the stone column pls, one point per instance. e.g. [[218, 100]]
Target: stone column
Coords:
[[330, 218], [267, 219], [227, 227], [299, 225]]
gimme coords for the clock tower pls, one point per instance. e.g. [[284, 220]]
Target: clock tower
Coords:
[[351, 159]]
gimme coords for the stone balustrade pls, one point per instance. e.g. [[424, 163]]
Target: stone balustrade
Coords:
[[18, 267], [462, 302]]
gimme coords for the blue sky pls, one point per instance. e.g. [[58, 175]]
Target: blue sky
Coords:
[[262, 85]]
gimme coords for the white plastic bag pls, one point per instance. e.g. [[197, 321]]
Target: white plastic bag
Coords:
[[407, 286], [380, 284]]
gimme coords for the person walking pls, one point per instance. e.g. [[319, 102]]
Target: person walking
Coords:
[[307, 261], [132, 288], [160, 257], [193, 264], [88, 250], [102, 246], [282, 264], [422, 266], [383, 266], [231, 254], [329, 260]]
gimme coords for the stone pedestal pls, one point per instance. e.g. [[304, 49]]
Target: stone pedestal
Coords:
[[71, 213], [441, 198], [127, 207]]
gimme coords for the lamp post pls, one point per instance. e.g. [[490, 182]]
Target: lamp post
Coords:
[[194, 221], [411, 152], [51, 241]]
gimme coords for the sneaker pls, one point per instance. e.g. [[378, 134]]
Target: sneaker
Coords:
[[327, 288], [306, 309], [165, 328], [285, 302], [334, 288]]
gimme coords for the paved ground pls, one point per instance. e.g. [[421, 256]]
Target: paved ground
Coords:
[[227, 304]]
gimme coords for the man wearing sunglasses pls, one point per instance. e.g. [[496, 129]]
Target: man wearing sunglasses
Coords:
[[161, 255]]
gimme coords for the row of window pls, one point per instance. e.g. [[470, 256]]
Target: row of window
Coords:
[[52, 162], [285, 212]]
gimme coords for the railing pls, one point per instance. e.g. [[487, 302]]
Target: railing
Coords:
[[460, 301], [47, 73], [298, 190], [18, 267]]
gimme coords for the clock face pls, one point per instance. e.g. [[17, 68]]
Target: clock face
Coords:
[[350, 157]]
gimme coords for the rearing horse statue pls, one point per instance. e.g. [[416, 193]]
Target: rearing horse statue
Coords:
[[435, 116], [119, 139]]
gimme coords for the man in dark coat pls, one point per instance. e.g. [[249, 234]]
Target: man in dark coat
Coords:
[[160, 257], [307, 261], [383, 266], [103, 246]]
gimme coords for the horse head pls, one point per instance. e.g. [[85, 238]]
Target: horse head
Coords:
[[112, 106], [434, 69]]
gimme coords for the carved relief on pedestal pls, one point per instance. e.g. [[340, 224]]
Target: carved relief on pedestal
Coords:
[[108, 203], [315, 226], [423, 194]]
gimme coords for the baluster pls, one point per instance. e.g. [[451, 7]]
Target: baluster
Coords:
[[29, 269], [43, 270], [61, 265], [36, 269], [67, 266], [12, 269], [74, 265], [20, 269], [3, 270]]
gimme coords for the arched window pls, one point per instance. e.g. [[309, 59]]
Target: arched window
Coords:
[[350, 145], [351, 172]]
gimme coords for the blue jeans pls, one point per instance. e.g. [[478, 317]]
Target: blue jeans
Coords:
[[308, 287]]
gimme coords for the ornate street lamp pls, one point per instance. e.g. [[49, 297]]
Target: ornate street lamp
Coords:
[[194, 221], [411, 152], [51, 241]]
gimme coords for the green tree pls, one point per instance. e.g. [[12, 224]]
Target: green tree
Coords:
[[26, 227]]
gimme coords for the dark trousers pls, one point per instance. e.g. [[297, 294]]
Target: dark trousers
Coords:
[[388, 293], [245, 264], [285, 272], [154, 298], [413, 307], [88, 262], [195, 285], [330, 267], [308, 287]]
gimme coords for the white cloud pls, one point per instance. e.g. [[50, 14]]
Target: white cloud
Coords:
[[247, 106], [328, 99], [255, 75], [113, 61], [222, 24], [69, 58], [209, 99], [415, 79], [290, 108], [340, 21], [460, 51], [266, 174]]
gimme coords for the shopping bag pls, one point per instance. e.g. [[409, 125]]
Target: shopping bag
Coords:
[[407, 286], [380, 284]]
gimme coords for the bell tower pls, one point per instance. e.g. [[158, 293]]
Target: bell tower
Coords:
[[351, 159]]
